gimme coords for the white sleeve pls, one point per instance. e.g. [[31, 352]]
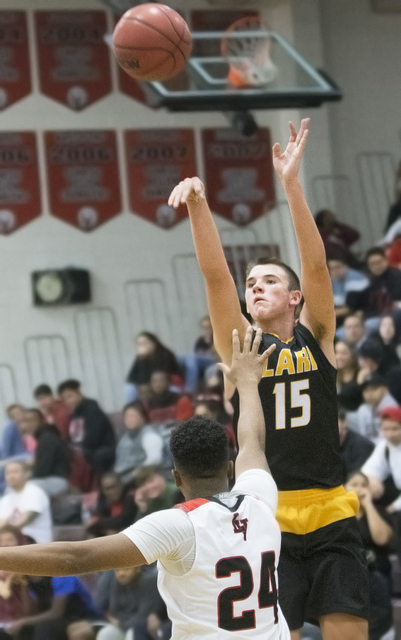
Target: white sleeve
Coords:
[[377, 465], [260, 484], [163, 534]]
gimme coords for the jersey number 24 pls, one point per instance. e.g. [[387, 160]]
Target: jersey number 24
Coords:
[[267, 596]]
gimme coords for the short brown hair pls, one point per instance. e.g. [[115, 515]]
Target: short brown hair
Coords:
[[294, 283]]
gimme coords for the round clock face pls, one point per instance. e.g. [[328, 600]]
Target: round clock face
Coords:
[[49, 287]]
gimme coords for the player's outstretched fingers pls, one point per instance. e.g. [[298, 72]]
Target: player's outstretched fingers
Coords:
[[175, 196], [256, 342], [236, 344], [264, 356], [248, 340]]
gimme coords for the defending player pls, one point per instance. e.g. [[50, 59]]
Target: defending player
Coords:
[[322, 572], [219, 551]]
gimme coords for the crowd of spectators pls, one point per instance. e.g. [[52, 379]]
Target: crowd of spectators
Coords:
[[117, 468], [66, 466]]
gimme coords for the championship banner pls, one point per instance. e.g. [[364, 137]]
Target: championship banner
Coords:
[[15, 73], [239, 174], [157, 160], [74, 60], [19, 180], [83, 177]]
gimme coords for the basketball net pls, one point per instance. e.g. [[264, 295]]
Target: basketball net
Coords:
[[248, 56]]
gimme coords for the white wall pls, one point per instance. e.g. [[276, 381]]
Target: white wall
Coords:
[[124, 249], [362, 52]]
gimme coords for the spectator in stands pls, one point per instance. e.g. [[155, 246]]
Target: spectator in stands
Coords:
[[355, 449], [196, 365], [154, 492], [65, 610], [204, 343], [384, 291], [348, 390], [353, 331], [25, 505], [385, 461], [90, 430], [51, 464], [115, 508], [151, 355], [337, 237], [14, 595], [214, 410], [376, 531], [12, 439], [376, 397], [387, 336], [344, 281], [140, 445], [54, 410], [370, 359], [130, 597], [164, 405]]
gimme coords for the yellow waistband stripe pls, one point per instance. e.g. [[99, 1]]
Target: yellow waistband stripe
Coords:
[[305, 511]]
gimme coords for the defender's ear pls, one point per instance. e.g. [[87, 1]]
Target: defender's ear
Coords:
[[230, 470], [176, 477]]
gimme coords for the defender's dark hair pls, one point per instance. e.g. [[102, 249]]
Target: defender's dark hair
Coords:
[[294, 283], [375, 251], [73, 385], [42, 390], [199, 447]]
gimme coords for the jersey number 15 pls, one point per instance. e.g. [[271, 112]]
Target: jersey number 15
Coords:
[[267, 596]]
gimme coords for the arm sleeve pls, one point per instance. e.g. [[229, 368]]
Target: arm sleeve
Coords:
[[376, 465], [260, 484], [163, 534]]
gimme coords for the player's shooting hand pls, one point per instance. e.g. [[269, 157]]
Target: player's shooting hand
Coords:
[[247, 365], [189, 190], [287, 164]]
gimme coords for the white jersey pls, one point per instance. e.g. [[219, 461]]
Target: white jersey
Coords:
[[218, 562]]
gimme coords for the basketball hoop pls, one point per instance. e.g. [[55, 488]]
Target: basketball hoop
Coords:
[[246, 46]]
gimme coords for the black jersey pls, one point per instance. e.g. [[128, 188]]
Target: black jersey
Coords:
[[298, 394]]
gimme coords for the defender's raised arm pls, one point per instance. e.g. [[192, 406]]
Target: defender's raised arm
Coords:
[[245, 373], [223, 302]]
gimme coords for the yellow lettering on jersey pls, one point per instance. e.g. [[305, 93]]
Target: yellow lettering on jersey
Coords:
[[267, 373], [303, 361], [312, 359], [285, 363]]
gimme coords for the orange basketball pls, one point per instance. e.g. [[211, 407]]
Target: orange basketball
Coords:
[[152, 42]]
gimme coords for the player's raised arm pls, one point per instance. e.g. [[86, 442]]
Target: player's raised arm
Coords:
[[72, 558], [318, 312], [224, 307], [245, 373]]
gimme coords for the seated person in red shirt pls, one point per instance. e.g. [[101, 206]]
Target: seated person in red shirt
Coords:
[[115, 508], [54, 410], [14, 595], [164, 405]]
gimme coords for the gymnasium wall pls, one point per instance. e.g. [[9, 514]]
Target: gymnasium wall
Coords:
[[94, 342], [362, 51]]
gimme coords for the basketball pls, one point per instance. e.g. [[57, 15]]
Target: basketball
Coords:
[[152, 42]]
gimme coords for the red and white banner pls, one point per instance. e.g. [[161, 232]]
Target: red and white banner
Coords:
[[157, 160], [19, 180], [15, 73], [239, 174], [83, 177], [74, 60]]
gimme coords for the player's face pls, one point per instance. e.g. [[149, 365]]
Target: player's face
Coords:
[[391, 431], [267, 295]]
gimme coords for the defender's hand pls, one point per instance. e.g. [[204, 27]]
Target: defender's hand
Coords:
[[287, 164], [247, 365], [189, 190]]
